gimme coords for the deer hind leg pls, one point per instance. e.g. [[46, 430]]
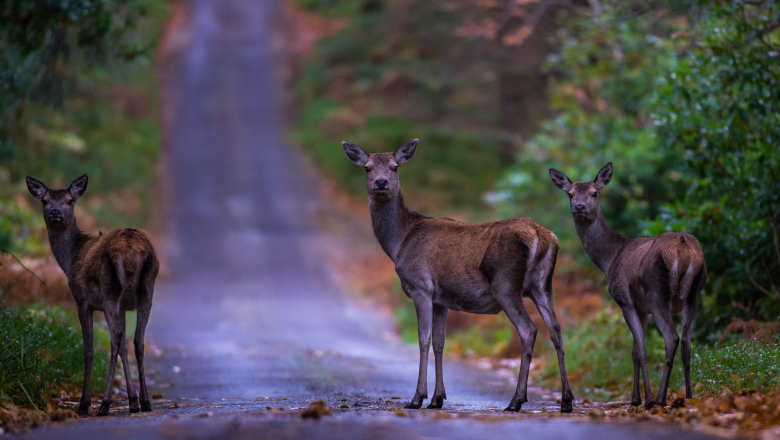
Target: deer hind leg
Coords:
[[424, 307], [111, 311], [144, 308], [688, 319], [132, 397], [87, 331], [511, 301], [664, 322], [439, 328], [544, 302]]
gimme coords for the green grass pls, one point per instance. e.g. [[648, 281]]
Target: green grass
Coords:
[[737, 365], [41, 351], [599, 364]]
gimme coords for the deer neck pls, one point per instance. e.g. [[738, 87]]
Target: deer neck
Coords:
[[66, 245], [600, 242], [391, 220]]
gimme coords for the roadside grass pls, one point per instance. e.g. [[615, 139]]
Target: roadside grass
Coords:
[[599, 364], [737, 366], [42, 355]]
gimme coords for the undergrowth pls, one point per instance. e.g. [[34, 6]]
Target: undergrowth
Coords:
[[41, 354], [599, 364]]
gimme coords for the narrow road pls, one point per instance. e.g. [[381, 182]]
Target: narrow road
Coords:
[[248, 319]]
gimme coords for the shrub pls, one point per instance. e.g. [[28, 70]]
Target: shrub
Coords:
[[41, 352]]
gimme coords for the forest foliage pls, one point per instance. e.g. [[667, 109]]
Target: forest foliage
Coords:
[[683, 101]]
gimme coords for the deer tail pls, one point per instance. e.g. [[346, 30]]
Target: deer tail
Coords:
[[128, 267]]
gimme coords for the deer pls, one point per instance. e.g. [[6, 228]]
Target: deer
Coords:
[[658, 276], [447, 265], [112, 273]]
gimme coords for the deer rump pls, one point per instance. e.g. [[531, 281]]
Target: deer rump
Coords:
[[672, 263], [115, 263], [460, 263]]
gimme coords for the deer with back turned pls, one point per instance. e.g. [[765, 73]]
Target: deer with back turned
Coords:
[[444, 264], [660, 275], [113, 273]]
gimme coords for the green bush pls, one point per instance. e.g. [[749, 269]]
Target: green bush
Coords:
[[719, 109], [41, 350]]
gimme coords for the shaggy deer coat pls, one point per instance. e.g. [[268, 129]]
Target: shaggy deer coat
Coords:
[[647, 275], [444, 264], [112, 273]]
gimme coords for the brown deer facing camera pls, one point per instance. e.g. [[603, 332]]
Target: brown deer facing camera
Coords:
[[112, 273], [444, 264], [647, 275]]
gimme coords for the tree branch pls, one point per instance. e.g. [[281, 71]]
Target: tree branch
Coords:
[[7, 252], [755, 284]]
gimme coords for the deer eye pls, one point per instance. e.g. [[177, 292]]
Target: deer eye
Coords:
[[45, 202], [395, 169], [570, 195], [595, 194], [70, 202], [368, 170]]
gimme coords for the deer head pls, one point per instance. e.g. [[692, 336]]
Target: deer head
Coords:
[[58, 203], [583, 196], [381, 168]]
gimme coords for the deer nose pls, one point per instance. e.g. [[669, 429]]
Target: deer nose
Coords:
[[579, 207], [380, 183], [55, 212]]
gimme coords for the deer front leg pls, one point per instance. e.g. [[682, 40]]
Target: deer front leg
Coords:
[[85, 318], [111, 311], [637, 326], [439, 332], [424, 308]]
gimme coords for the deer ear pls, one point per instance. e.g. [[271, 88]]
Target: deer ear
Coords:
[[405, 151], [355, 153], [560, 180], [78, 187], [36, 188], [604, 176]]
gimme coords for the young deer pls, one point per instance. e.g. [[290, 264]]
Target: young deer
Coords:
[[444, 264], [646, 275], [112, 273]]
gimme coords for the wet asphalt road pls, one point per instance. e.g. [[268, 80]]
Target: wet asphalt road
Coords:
[[249, 318]]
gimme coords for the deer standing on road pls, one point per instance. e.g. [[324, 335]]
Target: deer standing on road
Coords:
[[444, 264], [112, 273], [647, 275]]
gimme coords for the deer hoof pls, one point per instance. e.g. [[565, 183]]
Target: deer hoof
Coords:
[[412, 405], [649, 405], [636, 402], [84, 409], [437, 402], [566, 403], [514, 407], [146, 406], [104, 407], [134, 407], [679, 403]]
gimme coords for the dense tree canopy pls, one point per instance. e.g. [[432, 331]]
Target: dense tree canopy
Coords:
[[43, 40]]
